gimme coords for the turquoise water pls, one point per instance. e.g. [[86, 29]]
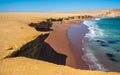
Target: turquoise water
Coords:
[[101, 44]]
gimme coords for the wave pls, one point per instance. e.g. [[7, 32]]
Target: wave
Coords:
[[92, 61], [94, 33], [97, 18], [94, 30]]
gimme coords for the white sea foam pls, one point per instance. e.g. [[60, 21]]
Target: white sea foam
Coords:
[[92, 61], [89, 57], [97, 18], [94, 30]]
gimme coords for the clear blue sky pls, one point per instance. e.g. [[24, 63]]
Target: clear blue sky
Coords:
[[56, 5]]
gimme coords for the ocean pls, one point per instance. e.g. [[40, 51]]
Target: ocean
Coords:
[[101, 45]]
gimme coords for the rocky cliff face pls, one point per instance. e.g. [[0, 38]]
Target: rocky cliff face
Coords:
[[40, 50], [21, 45]]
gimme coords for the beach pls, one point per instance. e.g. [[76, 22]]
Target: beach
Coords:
[[101, 44], [20, 45], [59, 40], [76, 35]]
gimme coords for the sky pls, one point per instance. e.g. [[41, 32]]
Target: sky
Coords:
[[56, 5]]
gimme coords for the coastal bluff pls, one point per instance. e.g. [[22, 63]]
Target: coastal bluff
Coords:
[[19, 41]]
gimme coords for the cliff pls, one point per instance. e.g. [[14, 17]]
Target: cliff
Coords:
[[40, 50], [23, 50]]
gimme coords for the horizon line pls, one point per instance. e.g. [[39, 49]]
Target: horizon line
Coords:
[[58, 11]]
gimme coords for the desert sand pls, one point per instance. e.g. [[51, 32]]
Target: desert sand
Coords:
[[26, 66], [15, 33]]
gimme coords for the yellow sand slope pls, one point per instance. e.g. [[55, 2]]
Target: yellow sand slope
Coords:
[[15, 32], [26, 66]]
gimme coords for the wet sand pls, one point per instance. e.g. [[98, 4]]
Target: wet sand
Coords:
[[75, 35], [58, 39], [16, 32]]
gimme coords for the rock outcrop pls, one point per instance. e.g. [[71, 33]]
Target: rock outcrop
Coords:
[[40, 50], [22, 45]]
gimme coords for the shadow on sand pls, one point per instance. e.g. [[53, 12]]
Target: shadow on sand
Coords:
[[40, 50]]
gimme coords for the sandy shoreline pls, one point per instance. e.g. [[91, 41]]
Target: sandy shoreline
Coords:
[[76, 34], [59, 40], [16, 33]]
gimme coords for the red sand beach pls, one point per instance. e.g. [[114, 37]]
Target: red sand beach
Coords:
[[76, 34], [58, 39]]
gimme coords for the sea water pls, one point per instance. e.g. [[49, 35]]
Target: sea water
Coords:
[[101, 44]]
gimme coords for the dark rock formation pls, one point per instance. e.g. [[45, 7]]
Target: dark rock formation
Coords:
[[117, 40], [47, 53], [118, 50], [109, 55], [40, 50], [100, 41], [42, 26], [111, 42], [112, 59], [103, 44]]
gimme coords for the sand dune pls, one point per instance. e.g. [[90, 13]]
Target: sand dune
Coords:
[[101, 13], [25, 66], [15, 33]]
